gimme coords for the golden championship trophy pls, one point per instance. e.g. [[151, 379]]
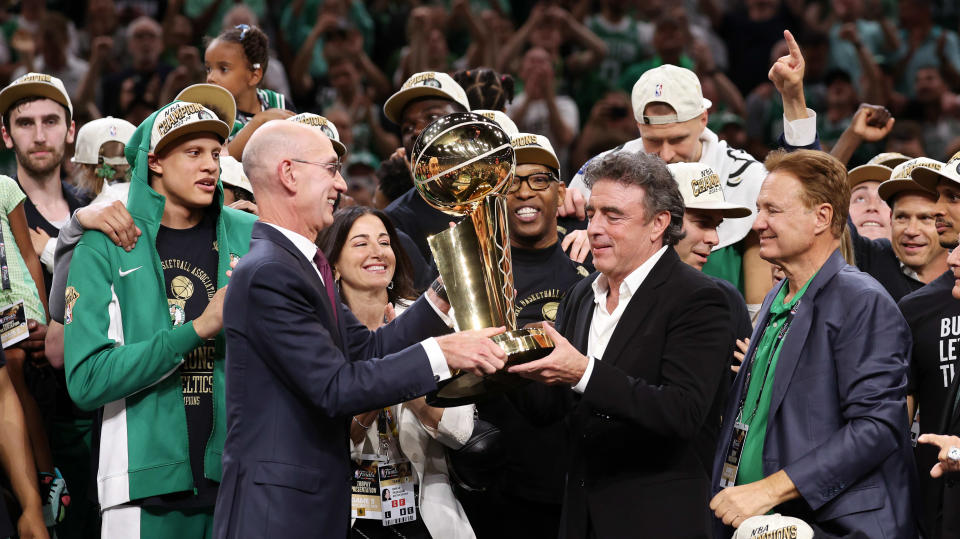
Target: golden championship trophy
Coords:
[[463, 165]]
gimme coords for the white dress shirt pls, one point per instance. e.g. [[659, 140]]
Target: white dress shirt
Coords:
[[604, 323], [438, 362]]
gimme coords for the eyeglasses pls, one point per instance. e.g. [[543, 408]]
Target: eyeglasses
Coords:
[[537, 182], [334, 167]]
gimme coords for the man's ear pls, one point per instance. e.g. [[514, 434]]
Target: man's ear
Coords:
[[824, 213], [71, 132], [561, 194], [7, 139], [660, 223], [153, 163], [285, 172]]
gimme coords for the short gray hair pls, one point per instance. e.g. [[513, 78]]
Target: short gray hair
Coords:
[[648, 172]]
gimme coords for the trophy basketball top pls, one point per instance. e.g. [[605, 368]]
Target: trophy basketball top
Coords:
[[459, 160]]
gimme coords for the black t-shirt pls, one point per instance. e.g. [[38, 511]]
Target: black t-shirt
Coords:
[[934, 318], [189, 258], [46, 384], [75, 199], [877, 258], [535, 464], [542, 277]]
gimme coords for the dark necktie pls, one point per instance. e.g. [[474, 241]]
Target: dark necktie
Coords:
[[327, 274]]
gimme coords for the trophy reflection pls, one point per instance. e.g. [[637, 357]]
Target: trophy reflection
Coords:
[[463, 165]]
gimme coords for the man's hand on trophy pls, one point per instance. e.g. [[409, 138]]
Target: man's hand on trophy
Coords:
[[564, 366], [473, 351]]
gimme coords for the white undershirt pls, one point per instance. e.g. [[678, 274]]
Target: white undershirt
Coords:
[[604, 323]]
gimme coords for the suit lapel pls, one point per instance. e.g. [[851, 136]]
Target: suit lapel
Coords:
[[583, 319], [641, 304], [264, 231], [793, 343]]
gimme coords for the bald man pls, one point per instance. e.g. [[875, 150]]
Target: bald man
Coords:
[[299, 364]]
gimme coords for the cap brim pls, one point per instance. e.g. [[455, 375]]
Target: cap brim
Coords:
[[537, 156], [866, 173], [929, 178], [894, 161], [339, 148], [728, 210], [12, 94], [216, 98], [891, 188], [393, 108], [214, 127]]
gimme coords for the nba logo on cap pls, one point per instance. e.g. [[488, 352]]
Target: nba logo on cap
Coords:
[[113, 130], [658, 90]]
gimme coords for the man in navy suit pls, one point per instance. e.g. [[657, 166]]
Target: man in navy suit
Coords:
[[816, 423], [299, 364]]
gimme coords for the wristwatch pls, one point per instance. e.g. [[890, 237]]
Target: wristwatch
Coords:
[[440, 290]]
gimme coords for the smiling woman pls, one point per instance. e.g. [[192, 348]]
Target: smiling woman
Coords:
[[371, 268]]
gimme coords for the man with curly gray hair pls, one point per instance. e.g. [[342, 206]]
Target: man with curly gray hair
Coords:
[[641, 354]]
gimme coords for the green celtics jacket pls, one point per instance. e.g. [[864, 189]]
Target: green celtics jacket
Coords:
[[122, 352]]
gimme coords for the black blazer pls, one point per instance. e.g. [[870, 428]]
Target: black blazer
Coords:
[[293, 381], [643, 432]]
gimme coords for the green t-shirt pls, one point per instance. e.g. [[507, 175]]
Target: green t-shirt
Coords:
[[727, 263], [755, 412], [22, 286]]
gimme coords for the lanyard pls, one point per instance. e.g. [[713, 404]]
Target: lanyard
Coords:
[[766, 372], [4, 270]]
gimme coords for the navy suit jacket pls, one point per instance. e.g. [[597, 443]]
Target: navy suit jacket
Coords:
[[294, 378], [838, 416]]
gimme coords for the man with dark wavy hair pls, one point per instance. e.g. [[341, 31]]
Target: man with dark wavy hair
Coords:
[[641, 351]]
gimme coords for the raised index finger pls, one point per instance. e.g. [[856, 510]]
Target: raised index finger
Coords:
[[792, 45]]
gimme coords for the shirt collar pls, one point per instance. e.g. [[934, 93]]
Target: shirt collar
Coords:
[[301, 242], [909, 272], [631, 283]]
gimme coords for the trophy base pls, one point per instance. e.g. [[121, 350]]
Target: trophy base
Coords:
[[521, 346]]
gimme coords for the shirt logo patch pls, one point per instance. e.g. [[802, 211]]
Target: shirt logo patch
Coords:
[[70, 295]]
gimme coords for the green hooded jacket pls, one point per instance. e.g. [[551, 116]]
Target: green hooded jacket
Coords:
[[122, 351]]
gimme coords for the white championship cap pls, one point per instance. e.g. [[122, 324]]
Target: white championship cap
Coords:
[[671, 85], [928, 175], [533, 149], [877, 169], [35, 84], [216, 98], [231, 173], [426, 84], [502, 120], [325, 125], [775, 525], [901, 178], [92, 135], [702, 189], [183, 118]]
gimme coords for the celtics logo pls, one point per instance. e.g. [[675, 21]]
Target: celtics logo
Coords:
[[181, 288], [549, 310]]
